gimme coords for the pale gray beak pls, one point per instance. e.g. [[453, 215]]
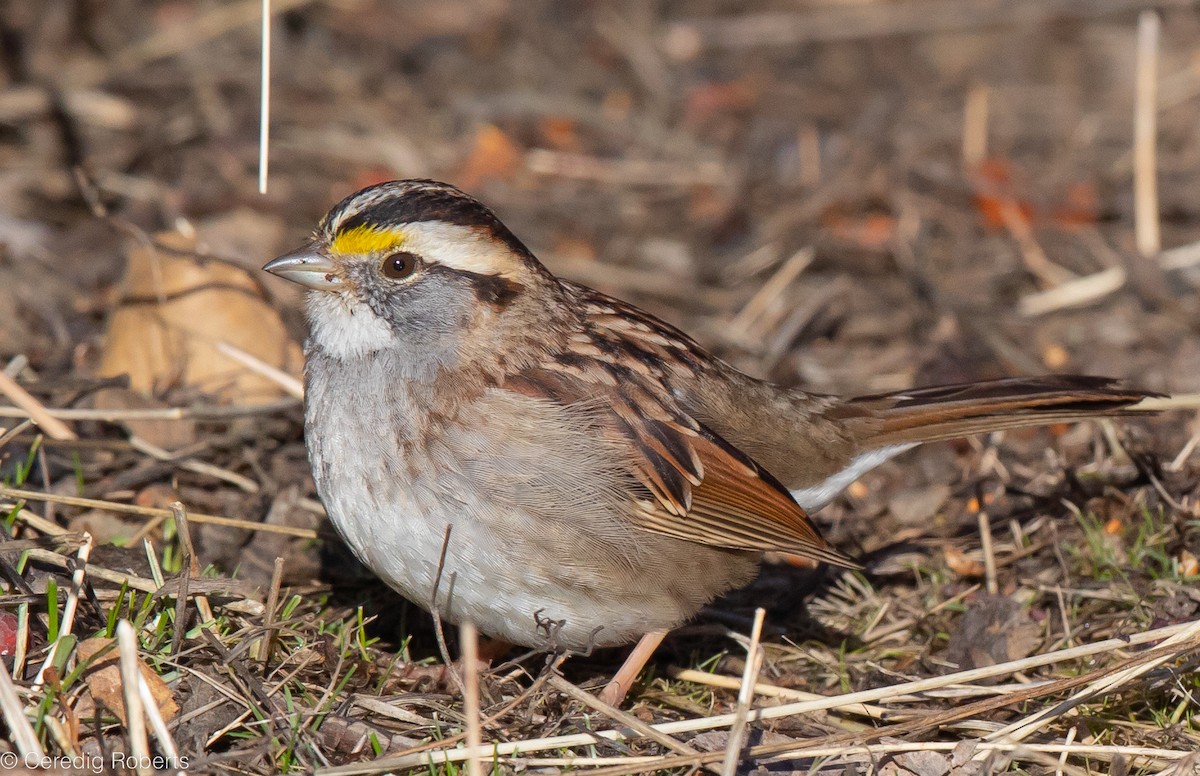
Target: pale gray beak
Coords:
[[306, 266]]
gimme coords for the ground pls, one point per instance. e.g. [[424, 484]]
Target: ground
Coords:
[[852, 197]]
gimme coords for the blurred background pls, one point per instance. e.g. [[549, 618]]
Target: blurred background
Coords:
[[910, 174], [849, 195]]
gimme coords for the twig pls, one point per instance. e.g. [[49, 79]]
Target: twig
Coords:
[[1092, 288], [199, 412], [191, 563], [860, 21], [775, 712], [1179, 401], [135, 720], [133, 509], [268, 642], [150, 706], [264, 106], [975, 127], [744, 322], [291, 385], [773, 691], [1073, 293], [35, 410], [68, 619], [617, 715], [737, 730], [626, 172], [14, 716], [1145, 145], [468, 644], [989, 555], [436, 613], [193, 465], [1023, 728]]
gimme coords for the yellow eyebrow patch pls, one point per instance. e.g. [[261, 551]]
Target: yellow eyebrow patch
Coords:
[[366, 239]]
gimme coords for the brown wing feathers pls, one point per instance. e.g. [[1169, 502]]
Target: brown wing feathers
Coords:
[[698, 487], [952, 411]]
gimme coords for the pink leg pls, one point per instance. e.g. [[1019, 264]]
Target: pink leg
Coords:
[[614, 691]]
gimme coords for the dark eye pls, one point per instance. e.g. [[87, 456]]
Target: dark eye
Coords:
[[400, 265]]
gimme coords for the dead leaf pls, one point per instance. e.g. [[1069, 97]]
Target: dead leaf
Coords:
[[914, 506], [924, 763], [174, 311], [994, 629], [994, 198], [103, 679]]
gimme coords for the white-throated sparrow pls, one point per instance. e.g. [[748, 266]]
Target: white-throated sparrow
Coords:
[[600, 471]]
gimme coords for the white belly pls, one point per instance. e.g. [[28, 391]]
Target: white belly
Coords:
[[537, 533]]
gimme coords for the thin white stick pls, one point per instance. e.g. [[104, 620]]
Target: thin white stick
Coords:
[[264, 107], [468, 637], [165, 413], [774, 691], [33, 409], [1104, 751], [1072, 293], [737, 731], [135, 719], [1062, 758], [156, 721], [281, 378], [68, 618], [1145, 151], [14, 716], [1107, 751], [437, 757], [989, 554], [975, 127], [1023, 728]]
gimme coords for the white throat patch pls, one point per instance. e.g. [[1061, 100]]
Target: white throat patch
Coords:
[[345, 328]]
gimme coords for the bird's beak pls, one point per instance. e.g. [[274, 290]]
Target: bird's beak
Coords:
[[308, 267]]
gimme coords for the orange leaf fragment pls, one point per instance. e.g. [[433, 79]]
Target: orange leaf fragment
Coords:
[[494, 156], [873, 231], [1189, 566], [559, 132], [705, 101], [958, 562]]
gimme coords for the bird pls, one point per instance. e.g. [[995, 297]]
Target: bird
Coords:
[[560, 468]]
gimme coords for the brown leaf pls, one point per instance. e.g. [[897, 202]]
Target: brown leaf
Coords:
[[994, 629], [924, 763], [103, 679], [175, 310]]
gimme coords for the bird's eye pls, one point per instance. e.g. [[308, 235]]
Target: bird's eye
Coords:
[[398, 266]]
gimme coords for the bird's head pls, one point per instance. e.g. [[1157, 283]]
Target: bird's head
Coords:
[[416, 265]]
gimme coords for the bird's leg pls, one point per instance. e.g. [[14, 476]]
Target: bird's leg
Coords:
[[614, 692]]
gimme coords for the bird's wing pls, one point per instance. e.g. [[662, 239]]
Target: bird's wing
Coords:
[[685, 480]]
